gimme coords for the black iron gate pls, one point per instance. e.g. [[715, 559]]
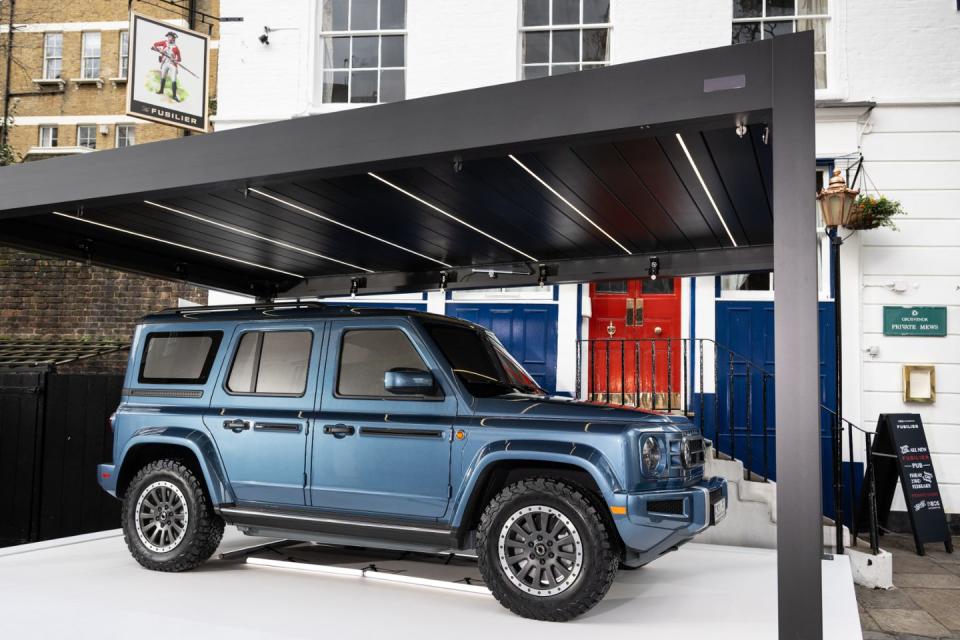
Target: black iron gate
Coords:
[[53, 432]]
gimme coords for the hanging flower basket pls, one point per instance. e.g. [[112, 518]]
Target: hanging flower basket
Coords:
[[872, 212]]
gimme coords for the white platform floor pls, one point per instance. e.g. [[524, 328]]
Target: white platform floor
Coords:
[[90, 587]]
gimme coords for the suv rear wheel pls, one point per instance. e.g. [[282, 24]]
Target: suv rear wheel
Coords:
[[168, 522], [544, 552]]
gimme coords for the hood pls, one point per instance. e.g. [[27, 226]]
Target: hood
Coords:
[[560, 408]]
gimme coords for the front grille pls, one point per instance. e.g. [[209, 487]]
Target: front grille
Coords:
[[666, 507]]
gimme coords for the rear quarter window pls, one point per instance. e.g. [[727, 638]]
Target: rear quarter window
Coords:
[[180, 357]]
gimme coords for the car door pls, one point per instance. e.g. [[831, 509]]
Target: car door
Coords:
[[374, 452], [261, 407]]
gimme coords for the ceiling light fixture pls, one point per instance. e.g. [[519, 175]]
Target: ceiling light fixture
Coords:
[[310, 212], [569, 204], [705, 189], [174, 244], [451, 216], [251, 234]]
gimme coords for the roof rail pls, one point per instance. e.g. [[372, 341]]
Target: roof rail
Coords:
[[259, 306]]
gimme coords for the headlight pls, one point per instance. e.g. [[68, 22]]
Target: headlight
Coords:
[[686, 454], [650, 454]]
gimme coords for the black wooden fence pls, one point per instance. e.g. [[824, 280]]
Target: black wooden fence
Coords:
[[53, 433]]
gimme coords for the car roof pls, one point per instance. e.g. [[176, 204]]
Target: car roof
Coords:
[[292, 311]]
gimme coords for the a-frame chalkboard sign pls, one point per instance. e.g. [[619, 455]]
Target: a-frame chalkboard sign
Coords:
[[900, 451]]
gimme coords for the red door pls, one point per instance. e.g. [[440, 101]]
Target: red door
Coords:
[[635, 348]]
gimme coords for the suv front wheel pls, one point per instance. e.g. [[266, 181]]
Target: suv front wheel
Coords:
[[168, 522], [544, 552]]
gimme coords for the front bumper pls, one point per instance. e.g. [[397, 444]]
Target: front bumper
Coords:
[[658, 521]]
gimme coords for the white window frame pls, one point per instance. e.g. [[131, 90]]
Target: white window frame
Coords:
[[123, 63], [93, 128], [550, 28], [84, 57], [54, 136], [47, 58], [351, 33], [130, 135], [828, 36]]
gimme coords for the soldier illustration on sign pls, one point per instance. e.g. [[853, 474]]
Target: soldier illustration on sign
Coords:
[[169, 62]]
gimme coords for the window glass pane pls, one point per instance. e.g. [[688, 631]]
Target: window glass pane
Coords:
[[611, 286], [780, 7], [746, 282], [365, 356], [819, 28], [596, 11], [536, 13], [91, 44], [391, 51], [594, 45], [365, 51], [392, 85], [774, 29], [335, 15], [820, 70], [747, 8], [393, 14], [812, 7], [335, 86], [558, 69], [530, 72], [242, 377], [363, 86], [179, 357], [363, 14], [283, 362], [536, 46], [660, 285], [566, 46], [336, 53], [566, 11], [746, 32], [585, 67]]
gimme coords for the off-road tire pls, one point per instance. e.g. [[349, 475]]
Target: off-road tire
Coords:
[[600, 551], [204, 528]]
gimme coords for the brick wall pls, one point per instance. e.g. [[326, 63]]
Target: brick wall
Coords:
[[51, 298]]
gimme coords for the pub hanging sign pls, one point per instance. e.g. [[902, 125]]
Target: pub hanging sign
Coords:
[[915, 321]]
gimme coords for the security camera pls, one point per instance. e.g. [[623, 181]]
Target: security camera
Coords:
[[264, 39]]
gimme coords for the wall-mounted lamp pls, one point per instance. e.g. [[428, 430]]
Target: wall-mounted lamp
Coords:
[[542, 276], [264, 38], [654, 269], [355, 285], [443, 281]]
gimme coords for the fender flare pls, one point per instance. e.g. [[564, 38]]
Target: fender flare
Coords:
[[585, 457], [195, 440]]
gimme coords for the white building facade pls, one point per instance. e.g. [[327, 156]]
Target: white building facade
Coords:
[[888, 87]]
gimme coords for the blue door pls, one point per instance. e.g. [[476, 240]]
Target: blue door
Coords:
[[528, 331]]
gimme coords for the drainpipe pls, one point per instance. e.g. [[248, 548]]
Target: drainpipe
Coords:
[[191, 23], [6, 85]]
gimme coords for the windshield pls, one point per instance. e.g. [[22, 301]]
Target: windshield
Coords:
[[481, 362]]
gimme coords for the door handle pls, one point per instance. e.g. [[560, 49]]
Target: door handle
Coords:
[[339, 430], [237, 425]]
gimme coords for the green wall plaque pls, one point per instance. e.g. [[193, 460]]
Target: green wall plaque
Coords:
[[914, 321]]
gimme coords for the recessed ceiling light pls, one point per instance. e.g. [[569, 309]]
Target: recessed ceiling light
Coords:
[[705, 189], [569, 204], [301, 208], [452, 217], [251, 234], [174, 244]]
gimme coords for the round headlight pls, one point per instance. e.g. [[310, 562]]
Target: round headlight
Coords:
[[686, 454], [650, 454]]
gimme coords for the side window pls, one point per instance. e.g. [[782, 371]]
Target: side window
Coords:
[[271, 363], [367, 354], [178, 357]]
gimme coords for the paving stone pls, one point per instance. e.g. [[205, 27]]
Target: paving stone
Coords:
[[917, 622], [912, 563], [867, 623], [884, 598], [927, 580], [942, 604], [877, 635]]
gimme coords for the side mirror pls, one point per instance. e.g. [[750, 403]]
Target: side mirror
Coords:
[[409, 382]]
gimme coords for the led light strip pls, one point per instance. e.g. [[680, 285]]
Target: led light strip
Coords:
[[706, 190], [452, 217], [569, 204], [251, 234], [310, 212], [175, 244]]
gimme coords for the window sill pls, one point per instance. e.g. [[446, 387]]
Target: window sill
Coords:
[[60, 83], [80, 81], [56, 151], [117, 81]]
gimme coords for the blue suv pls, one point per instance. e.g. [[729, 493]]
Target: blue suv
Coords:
[[393, 429]]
